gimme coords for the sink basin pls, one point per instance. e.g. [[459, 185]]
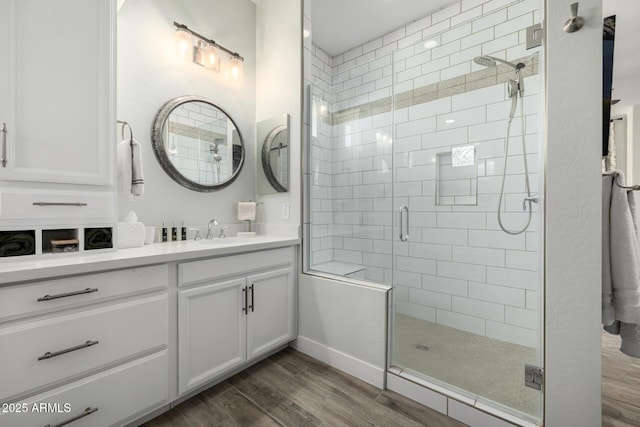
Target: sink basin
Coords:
[[217, 241], [226, 241]]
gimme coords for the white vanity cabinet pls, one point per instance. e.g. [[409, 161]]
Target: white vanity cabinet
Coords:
[[231, 311], [57, 80], [96, 342]]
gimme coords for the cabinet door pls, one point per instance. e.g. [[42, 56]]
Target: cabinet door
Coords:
[[270, 319], [57, 82], [211, 332]]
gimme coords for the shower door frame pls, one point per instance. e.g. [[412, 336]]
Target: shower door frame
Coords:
[[396, 376]]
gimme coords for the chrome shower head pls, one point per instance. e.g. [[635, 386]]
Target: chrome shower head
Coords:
[[491, 61]]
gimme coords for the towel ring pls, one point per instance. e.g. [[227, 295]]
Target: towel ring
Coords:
[[123, 123]]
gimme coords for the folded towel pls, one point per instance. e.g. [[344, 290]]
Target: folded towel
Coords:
[[130, 177], [98, 238], [16, 243], [247, 211]]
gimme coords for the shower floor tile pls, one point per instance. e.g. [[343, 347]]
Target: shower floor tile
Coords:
[[487, 368]]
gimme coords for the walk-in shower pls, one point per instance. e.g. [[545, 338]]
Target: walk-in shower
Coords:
[[423, 147]]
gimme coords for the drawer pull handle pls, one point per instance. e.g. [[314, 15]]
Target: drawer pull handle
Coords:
[[60, 204], [252, 303], [49, 354], [4, 145], [86, 412], [68, 294]]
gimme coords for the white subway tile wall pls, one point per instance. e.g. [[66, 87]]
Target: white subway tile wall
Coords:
[[458, 268], [197, 132]]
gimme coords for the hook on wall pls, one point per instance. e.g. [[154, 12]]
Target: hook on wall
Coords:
[[574, 23], [126, 124]]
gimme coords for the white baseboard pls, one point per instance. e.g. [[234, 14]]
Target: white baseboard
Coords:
[[362, 370]]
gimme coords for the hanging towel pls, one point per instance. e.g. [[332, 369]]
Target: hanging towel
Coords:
[[130, 178], [623, 245], [608, 314]]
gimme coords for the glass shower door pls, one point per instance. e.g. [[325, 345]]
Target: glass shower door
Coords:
[[466, 294], [350, 177]]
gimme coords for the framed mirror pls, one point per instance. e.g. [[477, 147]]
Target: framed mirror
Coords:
[[273, 155], [197, 143]]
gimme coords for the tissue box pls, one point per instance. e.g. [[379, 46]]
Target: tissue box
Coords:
[[130, 235]]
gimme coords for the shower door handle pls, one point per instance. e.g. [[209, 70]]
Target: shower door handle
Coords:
[[3, 160], [404, 237]]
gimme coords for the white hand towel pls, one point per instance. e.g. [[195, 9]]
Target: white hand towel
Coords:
[[130, 177], [246, 211]]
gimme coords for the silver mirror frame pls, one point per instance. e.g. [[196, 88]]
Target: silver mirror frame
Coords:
[[266, 160], [160, 153]]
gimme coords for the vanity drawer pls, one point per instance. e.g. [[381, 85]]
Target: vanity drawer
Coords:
[[233, 265], [41, 297], [73, 344], [55, 205], [120, 393]]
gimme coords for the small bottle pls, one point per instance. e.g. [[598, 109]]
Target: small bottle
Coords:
[[164, 232], [174, 232], [184, 232]]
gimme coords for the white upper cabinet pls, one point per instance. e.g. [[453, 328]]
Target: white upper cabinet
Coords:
[[57, 90]]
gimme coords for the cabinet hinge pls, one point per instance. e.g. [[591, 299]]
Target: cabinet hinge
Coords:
[[533, 377]]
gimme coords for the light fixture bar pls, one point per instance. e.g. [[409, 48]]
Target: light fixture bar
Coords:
[[200, 36]]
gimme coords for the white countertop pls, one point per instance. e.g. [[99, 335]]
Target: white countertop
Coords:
[[52, 265]]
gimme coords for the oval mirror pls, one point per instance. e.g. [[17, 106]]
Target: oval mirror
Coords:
[[273, 150], [275, 158], [197, 143]]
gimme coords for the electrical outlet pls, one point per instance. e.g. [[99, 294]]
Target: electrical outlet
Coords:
[[285, 211]]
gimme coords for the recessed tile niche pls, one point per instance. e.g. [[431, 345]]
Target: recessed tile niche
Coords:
[[457, 177]]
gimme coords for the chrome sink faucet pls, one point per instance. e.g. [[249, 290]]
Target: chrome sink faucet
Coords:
[[212, 223]]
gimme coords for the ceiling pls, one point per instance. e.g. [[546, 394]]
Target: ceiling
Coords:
[[339, 25]]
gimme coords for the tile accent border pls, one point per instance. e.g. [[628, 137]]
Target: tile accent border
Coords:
[[453, 86]]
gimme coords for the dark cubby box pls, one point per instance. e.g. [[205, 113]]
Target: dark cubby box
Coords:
[[17, 243], [98, 238]]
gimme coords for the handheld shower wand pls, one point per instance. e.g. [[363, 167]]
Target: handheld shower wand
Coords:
[[492, 61], [516, 89]]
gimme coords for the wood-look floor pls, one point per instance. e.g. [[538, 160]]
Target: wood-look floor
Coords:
[[620, 385], [292, 389]]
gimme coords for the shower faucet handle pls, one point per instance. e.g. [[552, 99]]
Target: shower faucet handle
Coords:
[[533, 198]]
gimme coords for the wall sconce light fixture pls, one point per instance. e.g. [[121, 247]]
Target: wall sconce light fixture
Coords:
[[205, 52]]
